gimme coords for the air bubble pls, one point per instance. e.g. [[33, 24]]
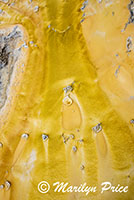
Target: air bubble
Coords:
[[36, 9], [44, 137], [81, 140], [25, 135], [72, 136], [97, 128], [74, 148], [1, 145], [82, 167], [132, 121], [2, 186], [7, 185], [67, 101], [31, 42], [67, 89]]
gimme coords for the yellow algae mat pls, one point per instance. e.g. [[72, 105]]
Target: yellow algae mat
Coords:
[[66, 100]]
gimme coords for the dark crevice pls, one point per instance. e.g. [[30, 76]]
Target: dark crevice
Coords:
[[8, 58], [131, 11], [4, 56]]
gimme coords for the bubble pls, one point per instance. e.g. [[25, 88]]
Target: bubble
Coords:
[[132, 121], [82, 167], [36, 9], [67, 89], [25, 136], [74, 148], [44, 137], [72, 136], [1, 145], [67, 101], [2, 186], [7, 185], [97, 128]]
